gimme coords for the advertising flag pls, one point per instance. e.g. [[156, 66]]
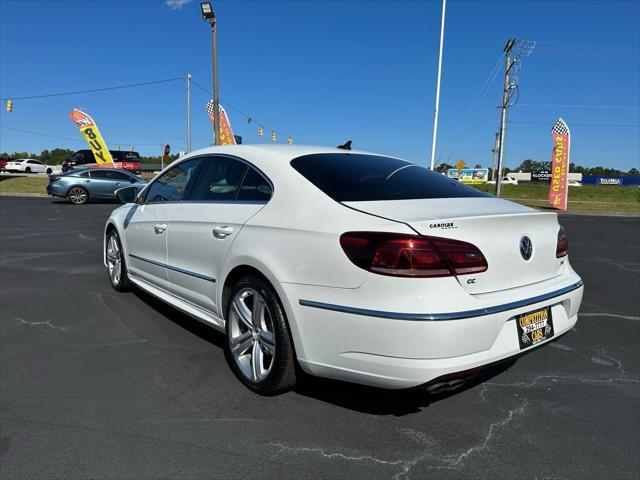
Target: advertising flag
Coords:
[[226, 133], [91, 134], [558, 189]]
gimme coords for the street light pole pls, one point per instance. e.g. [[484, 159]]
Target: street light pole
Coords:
[[210, 17], [188, 112], [435, 112]]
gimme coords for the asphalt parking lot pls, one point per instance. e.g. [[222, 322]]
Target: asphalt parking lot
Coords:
[[96, 384]]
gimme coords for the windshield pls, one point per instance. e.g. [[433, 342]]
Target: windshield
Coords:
[[355, 177]]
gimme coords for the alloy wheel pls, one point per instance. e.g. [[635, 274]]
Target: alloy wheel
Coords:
[[77, 195], [114, 260], [251, 334]]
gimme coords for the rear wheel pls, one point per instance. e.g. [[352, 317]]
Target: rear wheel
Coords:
[[78, 195], [115, 263], [259, 348], [27, 170]]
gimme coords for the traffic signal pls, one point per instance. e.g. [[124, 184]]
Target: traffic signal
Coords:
[[260, 131], [9, 105], [273, 136], [290, 140]]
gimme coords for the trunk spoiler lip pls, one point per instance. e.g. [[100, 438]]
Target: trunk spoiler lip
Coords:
[[443, 316]]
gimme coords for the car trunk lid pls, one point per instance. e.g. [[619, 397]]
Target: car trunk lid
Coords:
[[495, 226]]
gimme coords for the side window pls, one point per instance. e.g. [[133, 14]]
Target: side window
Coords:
[[173, 185], [255, 187], [101, 174], [219, 180], [120, 176]]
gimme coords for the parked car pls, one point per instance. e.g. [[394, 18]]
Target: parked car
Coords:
[[507, 179], [27, 165], [126, 160], [350, 265], [81, 185]]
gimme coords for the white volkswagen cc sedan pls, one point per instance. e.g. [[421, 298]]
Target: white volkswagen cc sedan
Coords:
[[344, 264]]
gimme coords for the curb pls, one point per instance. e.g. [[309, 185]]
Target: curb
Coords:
[[37, 195]]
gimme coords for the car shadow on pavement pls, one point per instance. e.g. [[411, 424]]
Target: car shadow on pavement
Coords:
[[360, 398], [205, 332], [379, 401]]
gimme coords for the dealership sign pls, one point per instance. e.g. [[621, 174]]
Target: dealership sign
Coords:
[[91, 134], [558, 188], [541, 176], [469, 175]]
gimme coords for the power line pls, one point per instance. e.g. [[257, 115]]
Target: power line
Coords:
[[582, 124], [140, 84], [248, 117], [545, 105], [79, 140]]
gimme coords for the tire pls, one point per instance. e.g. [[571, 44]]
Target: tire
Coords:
[[116, 266], [49, 171], [77, 195], [262, 336], [27, 170]]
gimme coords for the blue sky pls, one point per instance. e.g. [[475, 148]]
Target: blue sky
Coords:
[[324, 72]]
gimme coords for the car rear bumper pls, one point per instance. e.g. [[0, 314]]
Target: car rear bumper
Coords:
[[406, 349], [56, 190]]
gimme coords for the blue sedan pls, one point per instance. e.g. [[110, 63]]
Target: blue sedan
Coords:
[[80, 186]]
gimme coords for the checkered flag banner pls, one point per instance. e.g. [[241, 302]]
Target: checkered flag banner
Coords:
[[209, 107], [560, 128]]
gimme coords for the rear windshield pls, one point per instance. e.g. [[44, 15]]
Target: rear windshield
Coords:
[[355, 177]]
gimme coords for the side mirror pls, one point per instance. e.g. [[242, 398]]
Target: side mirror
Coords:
[[127, 194]]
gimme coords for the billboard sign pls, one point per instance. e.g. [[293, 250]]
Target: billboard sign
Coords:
[[469, 175], [542, 176]]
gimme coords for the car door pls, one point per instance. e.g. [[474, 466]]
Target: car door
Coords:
[[119, 180], [101, 184], [146, 225], [36, 166], [202, 229]]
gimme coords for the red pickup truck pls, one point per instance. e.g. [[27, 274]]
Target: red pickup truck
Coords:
[[127, 160]]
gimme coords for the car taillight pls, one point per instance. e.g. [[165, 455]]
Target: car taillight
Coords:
[[403, 255], [562, 247]]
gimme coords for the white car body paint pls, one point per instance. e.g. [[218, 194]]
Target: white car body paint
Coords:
[[347, 323]]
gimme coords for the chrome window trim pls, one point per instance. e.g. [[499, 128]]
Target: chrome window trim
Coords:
[[203, 156], [175, 269], [442, 316]]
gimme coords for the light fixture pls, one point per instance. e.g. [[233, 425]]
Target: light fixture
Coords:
[[207, 11]]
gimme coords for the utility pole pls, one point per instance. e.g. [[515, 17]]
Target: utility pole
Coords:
[[435, 112], [188, 112], [504, 107], [209, 16]]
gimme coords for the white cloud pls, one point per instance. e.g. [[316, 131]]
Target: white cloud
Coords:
[[176, 4]]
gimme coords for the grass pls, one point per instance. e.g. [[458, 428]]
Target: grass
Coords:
[[588, 198], [24, 184]]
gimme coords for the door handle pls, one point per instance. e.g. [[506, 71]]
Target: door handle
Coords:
[[160, 228], [222, 231]]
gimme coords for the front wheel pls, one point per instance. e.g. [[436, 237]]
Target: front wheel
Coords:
[[259, 348], [49, 171], [115, 263], [78, 195]]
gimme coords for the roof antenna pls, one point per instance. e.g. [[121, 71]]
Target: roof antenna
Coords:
[[346, 146]]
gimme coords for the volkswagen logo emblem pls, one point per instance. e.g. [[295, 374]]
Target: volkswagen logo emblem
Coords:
[[526, 247]]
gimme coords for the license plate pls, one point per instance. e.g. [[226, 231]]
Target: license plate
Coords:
[[534, 327]]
